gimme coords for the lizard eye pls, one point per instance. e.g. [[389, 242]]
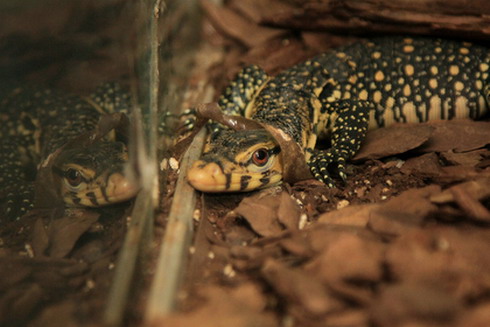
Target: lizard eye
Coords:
[[260, 157], [73, 177]]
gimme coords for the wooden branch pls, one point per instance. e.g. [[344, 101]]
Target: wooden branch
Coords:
[[455, 18]]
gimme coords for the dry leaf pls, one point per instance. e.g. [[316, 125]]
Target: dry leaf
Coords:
[[298, 287], [455, 259], [353, 215], [349, 258], [232, 24], [261, 214], [241, 307], [460, 135], [410, 304], [392, 140], [288, 212]]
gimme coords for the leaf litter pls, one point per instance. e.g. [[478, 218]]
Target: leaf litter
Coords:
[[403, 242]]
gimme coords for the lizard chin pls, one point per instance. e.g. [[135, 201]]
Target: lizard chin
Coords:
[[209, 177]]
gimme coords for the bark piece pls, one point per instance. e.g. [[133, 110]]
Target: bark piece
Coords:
[[18, 304], [453, 259], [321, 41], [478, 316], [470, 205], [298, 287], [350, 317], [236, 26], [454, 174], [256, 9], [277, 54], [426, 165], [58, 315], [393, 140], [261, 213], [322, 236], [478, 189], [349, 258], [13, 271], [60, 236], [432, 17], [288, 212], [240, 307], [459, 135], [412, 204], [353, 215], [412, 303], [471, 158], [297, 245]]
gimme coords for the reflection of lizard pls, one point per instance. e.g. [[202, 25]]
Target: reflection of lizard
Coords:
[[35, 123], [341, 94]]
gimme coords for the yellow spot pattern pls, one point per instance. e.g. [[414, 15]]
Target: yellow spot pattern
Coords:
[[409, 70], [408, 48], [454, 70], [433, 83], [379, 76]]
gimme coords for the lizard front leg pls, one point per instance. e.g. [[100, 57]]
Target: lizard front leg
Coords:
[[347, 133]]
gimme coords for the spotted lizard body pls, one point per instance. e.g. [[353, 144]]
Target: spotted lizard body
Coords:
[[36, 122], [340, 94]]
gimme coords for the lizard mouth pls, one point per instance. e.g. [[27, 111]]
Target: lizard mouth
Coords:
[[209, 177], [116, 188], [119, 188]]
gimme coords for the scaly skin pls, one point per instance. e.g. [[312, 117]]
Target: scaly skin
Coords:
[[35, 123], [340, 95]]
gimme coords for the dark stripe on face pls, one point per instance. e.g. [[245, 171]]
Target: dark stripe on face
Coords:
[[220, 165], [92, 198], [244, 182], [228, 181], [264, 181], [76, 199], [104, 194]]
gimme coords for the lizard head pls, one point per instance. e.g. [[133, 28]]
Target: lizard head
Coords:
[[94, 176], [238, 161]]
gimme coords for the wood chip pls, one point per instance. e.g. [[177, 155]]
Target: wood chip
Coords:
[[478, 189], [323, 42], [241, 307], [60, 236], [277, 54], [426, 165], [261, 214], [476, 317], [454, 259], [351, 317], [459, 135], [409, 304], [236, 26], [393, 140], [298, 287], [18, 304], [423, 17], [354, 215], [471, 158], [364, 260], [256, 9], [288, 212], [470, 205]]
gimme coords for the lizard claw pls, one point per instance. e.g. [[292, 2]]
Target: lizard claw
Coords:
[[322, 160], [18, 202], [187, 119]]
